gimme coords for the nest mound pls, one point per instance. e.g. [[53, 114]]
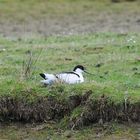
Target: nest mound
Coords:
[[98, 110]]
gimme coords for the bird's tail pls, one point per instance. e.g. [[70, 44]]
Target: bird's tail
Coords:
[[42, 75], [48, 76]]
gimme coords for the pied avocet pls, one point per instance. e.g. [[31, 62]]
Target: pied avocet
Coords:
[[72, 77]]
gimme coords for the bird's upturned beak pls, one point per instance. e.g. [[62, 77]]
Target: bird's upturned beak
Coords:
[[88, 72]]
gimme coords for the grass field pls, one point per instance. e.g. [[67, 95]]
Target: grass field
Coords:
[[113, 58], [55, 35]]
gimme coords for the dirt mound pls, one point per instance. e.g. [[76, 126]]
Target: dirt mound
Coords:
[[104, 110], [49, 108]]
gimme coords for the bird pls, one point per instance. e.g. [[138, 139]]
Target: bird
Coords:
[[72, 77]]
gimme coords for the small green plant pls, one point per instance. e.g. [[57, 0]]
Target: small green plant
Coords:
[[29, 65]]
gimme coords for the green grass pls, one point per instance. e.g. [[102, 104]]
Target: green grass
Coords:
[[108, 132], [117, 54]]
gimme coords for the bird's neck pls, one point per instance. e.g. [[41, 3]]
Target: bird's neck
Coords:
[[78, 71]]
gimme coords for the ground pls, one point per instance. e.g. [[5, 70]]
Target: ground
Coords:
[[110, 131], [45, 18], [55, 35]]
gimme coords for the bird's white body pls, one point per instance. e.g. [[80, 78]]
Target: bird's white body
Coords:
[[66, 77]]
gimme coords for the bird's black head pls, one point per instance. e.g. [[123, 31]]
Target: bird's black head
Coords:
[[79, 67]]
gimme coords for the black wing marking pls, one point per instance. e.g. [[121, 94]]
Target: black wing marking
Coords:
[[71, 72], [42, 75]]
